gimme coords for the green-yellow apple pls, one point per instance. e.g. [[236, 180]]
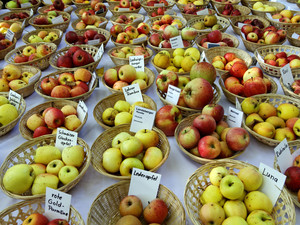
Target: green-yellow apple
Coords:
[[73, 155], [122, 106], [224, 133], [250, 105], [213, 194], [221, 125], [217, 174], [8, 113], [42, 181], [296, 128], [152, 158], [276, 121], [212, 213], [189, 137], [251, 178], [119, 138], [38, 168], [260, 217], [129, 219], [3, 100], [258, 200], [131, 205], [234, 220], [127, 73], [142, 75], [72, 122], [266, 110], [231, 187], [131, 147], [149, 138], [111, 160], [47, 153], [210, 20], [141, 104], [265, 129], [204, 70], [109, 115], [253, 119], [54, 166], [128, 164], [235, 208], [287, 111], [226, 152], [178, 51], [67, 174], [195, 151], [282, 133], [122, 118], [68, 110]]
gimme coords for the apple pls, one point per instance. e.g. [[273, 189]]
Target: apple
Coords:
[[209, 147], [260, 217], [131, 147], [217, 174], [152, 158], [54, 118], [35, 121], [231, 187], [237, 138], [73, 156], [42, 181], [127, 73], [129, 219], [214, 36], [206, 124], [36, 218], [235, 208], [131, 205], [238, 69], [203, 70], [189, 137], [292, 181], [251, 178], [165, 78], [58, 222], [214, 110], [252, 204], [156, 211], [38, 168], [54, 166], [255, 86], [67, 174], [211, 213], [128, 164], [48, 83], [296, 161], [232, 220], [212, 194], [42, 130], [80, 58], [149, 138]]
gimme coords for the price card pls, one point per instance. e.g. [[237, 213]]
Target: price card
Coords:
[[235, 117], [99, 53], [65, 138], [92, 81], [212, 45], [159, 5], [173, 94], [295, 35], [139, 19], [137, 62], [176, 42], [283, 155], [93, 42], [58, 19], [142, 118], [169, 12], [68, 8], [9, 35], [144, 184], [287, 76], [81, 110], [269, 16], [14, 99], [237, 104], [140, 39], [57, 204], [202, 56], [25, 5], [133, 93], [203, 12], [273, 182], [176, 25], [123, 10]]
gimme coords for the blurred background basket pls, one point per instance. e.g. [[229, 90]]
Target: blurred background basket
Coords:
[[10, 14], [278, 6], [139, 18], [152, 19], [33, 7], [181, 6], [293, 41], [102, 25], [81, 5], [282, 25], [287, 90], [26, 36], [111, 197], [150, 9], [192, 16], [246, 2], [220, 20], [67, 9], [244, 10], [18, 34], [159, 69], [77, 12], [6, 51]]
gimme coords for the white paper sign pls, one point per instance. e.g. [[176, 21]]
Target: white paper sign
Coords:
[[294, 155], [93, 42], [173, 94], [65, 138], [137, 62], [203, 12], [140, 39], [93, 79], [9, 35], [57, 204], [14, 99], [176, 42], [99, 53], [58, 19], [287, 76], [235, 117], [136, 20], [202, 56], [212, 45], [123, 10], [132, 93], [159, 5], [283, 154], [25, 5], [238, 104], [273, 182], [144, 184], [169, 12], [295, 35], [100, 24], [81, 110], [33, 78], [142, 118]]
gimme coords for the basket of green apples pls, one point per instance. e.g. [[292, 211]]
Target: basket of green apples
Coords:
[[43, 35], [19, 6]]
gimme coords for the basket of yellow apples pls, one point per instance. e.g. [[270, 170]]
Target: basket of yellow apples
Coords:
[[16, 6], [207, 23], [14, 26], [43, 35], [261, 8], [285, 19]]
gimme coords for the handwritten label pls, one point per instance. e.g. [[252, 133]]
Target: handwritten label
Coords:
[[132, 93], [212, 45], [58, 19], [295, 35], [273, 182], [173, 94], [25, 5], [142, 118], [283, 155], [238, 104], [235, 117], [123, 10], [287, 76], [93, 42], [81, 110], [14, 99], [203, 12], [137, 62], [99, 53], [65, 138], [176, 42], [140, 39], [144, 184], [57, 205], [9, 35], [159, 5]]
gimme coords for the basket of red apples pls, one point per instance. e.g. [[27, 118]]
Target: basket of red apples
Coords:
[[25, 15], [228, 11], [272, 58], [190, 10], [14, 26], [207, 23], [133, 19], [238, 22], [99, 10], [161, 11], [43, 35], [35, 54], [153, 5], [293, 36], [17, 6], [159, 23], [89, 20], [293, 89], [57, 5], [285, 19], [121, 7], [6, 46]]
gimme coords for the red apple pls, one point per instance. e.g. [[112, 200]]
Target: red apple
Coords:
[[54, 118], [209, 147], [292, 181], [214, 36], [255, 86], [58, 222], [36, 218], [60, 91], [64, 61], [42, 130], [237, 138], [80, 58], [214, 110], [47, 84], [165, 78], [206, 124], [156, 211]]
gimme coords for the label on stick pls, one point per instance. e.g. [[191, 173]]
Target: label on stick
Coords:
[[235, 117], [287, 76], [9, 35], [283, 155], [137, 62], [132, 93], [14, 99], [65, 138], [142, 118], [173, 94], [176, 42]]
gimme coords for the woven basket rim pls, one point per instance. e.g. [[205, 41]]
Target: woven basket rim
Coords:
[[132, 46], [25, 8], [232, 37], [26, 36], [73, 24], [51, 25], [76, 11], [287, 91], [201, 17], [245, 10]]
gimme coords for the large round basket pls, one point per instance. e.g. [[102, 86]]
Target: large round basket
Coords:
[[111, 197], [89, 48], [278, 6], [61, 26], [44, 9], [192, 16], [86, 9], [261, 52], [18, 34], [10, 14], [101, 25], [103, 142], [152, 19], [243, 9], [287, 90], [26, 36], [151, 78], [32, 7], [41, 63], [170, 50], [150, 9], [220, 20], [275, 100], [109, 102], [6, 51], [284, 26], [20, 211], [232, 97], [81, 5], [289, 35], [188, 121], [283, 211], [139, 18], [5, 129], [25, 154], [27, 133], [118, 13], [216, 4]]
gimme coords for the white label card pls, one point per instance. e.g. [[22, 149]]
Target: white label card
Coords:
[[140, 39], [31, 12], [283, 155], [212, 45], [33, 78], [14, 99], [176, 42], [295, 35], [203, 12], [273, 182], [144, 184], [92, 81], [100, 24], [57, 204], [235, 117], [202, 56], [93, 42], [81, 110], [238, 104], [123, 10], [137, 62], [27, 4], [99, 53], [173, 94], [269, 15], [9, 35], [132, 93], [294, 155], [287, 76], [142, 118], [136, 20], [58, 19], [159, 5], [65, 138]]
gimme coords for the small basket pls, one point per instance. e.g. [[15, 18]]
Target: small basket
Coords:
[[159, 70], [117, 13], [283, 211], [139, 19], [246, 2], [232, 97], [103, 142], [284, 26], [87, 8], [18, 35], [149, 73], [192, 16], [220, 20], [287, 90], [25, 154], [275, 100], [20, 20], [170, 50], [41, 63], [18, 212], [5, 129], [181, 6], [216, 4], [103, 24], [61, 26], [150, 9], [111, 197], [278, 5], [68, 9], [81, 5], [29, 88], [113, 39], [33, 7], [89, 48], [6, 51], [293, 41], [261, 52], [152, 19], [25, 37], [109, 102], [243, 9]]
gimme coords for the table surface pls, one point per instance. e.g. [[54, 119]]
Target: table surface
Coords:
[[175, 171]]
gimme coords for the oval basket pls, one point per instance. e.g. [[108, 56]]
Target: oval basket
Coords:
[[284, 26], [25, 154], [287, 90], [243, 9], [33, 7], [246, 2], [25, 37], [278, 5], [149, 73], [293, 41], [20, 20], [109, 102], [102, 25], [216, 4], [220, 20], [283, 211], [170, 50], [113, 39], [87, 8], [261, 52], [192, 16], [18, 35], [117, 13], [138, 17], [150, 9], [8, 50], [181, 6], [68, 9], [152, 19], [111, 197], [103, 142], [29, 88], [5, 129], [41, 63], [21, 210], [81, 5], [275, 100], [159, 70]]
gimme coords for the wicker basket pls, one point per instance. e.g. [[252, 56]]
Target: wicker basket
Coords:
[[25, 37], [278, 5], [117, 13], [25, 154], [61, 26], [1, 5], [6, 51], [33, 7], [220, 20], [152, 19], [159, 70], [113, 39], [103, 142], [103, 24], [109, 102], [284, 26], [293, 41], [68, 9], [261, 52], [41, 63], [89, 48], [170, 50], [81, 5], [243, 9], [140, 18], [216, 4], [18, 35], [150, 9], [87, 8], [111, 197], [5, 129], [181, 6], [192, 16], [283, 211], [232, 97], [275, 100], [287, 90], [20, 20], [149, 73], [18, 212], [246, 2]]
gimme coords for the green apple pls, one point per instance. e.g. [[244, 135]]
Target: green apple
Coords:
[[149, 138], [235, 208], [52, 13], [3, 100], [8, 113], [54, 166], [67, 174], [12, 4], [119, 138], [111, 160], [260, 217], [152, 158], [128, 164], [73, 156], [131, 147], [122, 118], [122, 106], [47, 153], [42, 181], [211, 213], [213, 194], [251, 178], [250, 105], [217, 174], [287, 111], [109, 115], [231, 187], [18, 178], [234, 220], [38, 168], [35, 39], [258, 200], [142, 75]]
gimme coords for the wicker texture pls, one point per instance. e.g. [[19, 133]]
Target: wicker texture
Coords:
[[278, 5], [20, 20], [33, 7], [181, 6], [287, 90], [81, 5], [150, 9], [220, 20], [26, 36], [6, 51], [79, 16], [283, 211], [117, 13], [41, 63], [41, 10], [246, 2], [170, 50], [284, 26], [103, 142], [111, 197], [192, 16], [103, 24], [216, 4], [18, 35], [293, 41], [140, 18], [113, 39], [243, 9], [152, 19], [27, 133], [25, 154]]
